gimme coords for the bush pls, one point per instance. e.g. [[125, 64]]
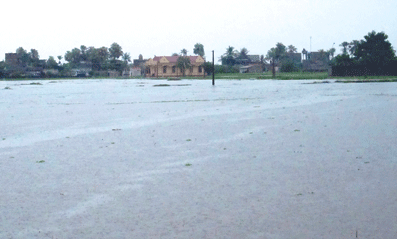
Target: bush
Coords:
[[289, 66]]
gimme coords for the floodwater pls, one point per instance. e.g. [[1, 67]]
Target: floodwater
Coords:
[[185, 159]]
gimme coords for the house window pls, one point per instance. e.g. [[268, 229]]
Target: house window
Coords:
[[180, 69], [173, 69], [164, 69], [191, 70], [200, 69], [148, 70]]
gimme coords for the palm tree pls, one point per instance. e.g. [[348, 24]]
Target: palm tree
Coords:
[[344, 45], [353, 46], [184, 52], [126, 57], [229, 57], [292, 49], [183, 63], [331, 52]]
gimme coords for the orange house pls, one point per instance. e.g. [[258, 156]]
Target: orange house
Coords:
[[166, 66]]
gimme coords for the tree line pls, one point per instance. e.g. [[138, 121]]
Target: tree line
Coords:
[[99, 59], [373, 55]]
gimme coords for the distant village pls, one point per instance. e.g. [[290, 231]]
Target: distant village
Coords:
[[113, 62]]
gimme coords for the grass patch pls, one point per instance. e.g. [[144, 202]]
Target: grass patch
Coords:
[[188, 164], [41, 161], [35, 83], [188, 140], [269, 76], [366, 80], [297, 130], [318, 82], [7, 88], [161, 85]]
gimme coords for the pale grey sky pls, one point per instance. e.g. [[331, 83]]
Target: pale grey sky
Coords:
[[164, 27]]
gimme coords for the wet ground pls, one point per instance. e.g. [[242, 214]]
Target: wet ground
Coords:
[[185, 159]]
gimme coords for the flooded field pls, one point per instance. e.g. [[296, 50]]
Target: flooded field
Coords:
[[185, 159]]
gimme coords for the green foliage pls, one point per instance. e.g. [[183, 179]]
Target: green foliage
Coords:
[[198, 49], [73, 57], [34, 57], [242, 57], [183, 63], [344, 47], [208, 67], [372, 56], [342, 60], [331, 52], [126, 58], [23, 56], [229, 57], [115, 51], [375, 49], [98, 57], [220, 69], [289, 66], [292, 49], [184, 52], [117, 65], [276, 53], [51, 63]]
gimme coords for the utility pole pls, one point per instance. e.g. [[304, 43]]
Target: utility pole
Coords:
[[213, 69], [274, 70]]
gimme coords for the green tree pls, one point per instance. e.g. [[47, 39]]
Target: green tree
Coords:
[[292, 49], [331, 52], [98, 57], [199, 49], [174, 54], [34, 57], [115, 51], [23, 56], [126, 58], [73, 57], [343, 60], [83, 53], [375, 50], [59, 59], [51, 63], [183, 63], [208, 67], [344, 46], [242, 57], [184, 52], [276, 53], [229, 57]]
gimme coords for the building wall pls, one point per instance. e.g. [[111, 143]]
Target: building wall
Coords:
[[12, 59], [158, 71], [164, 68]]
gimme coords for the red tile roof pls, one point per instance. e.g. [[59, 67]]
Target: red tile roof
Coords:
[[173, 59]]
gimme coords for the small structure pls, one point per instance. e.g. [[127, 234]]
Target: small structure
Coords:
[[113, 73], [316, 61], [166, 66], [132, 71], [140, 61], [255, 68], [12, 59], [83, 69]]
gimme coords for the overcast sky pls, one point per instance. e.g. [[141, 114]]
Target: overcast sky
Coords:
[[164, 27]]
